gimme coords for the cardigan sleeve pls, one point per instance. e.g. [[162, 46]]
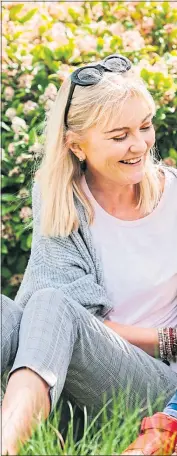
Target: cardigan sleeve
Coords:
[[62, 263]]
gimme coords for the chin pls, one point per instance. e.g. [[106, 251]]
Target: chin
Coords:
[[136, 177]]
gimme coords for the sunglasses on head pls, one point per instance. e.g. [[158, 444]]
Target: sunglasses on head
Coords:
[[91, 74]]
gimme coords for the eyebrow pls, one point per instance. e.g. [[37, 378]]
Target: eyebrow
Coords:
[[123, 128]]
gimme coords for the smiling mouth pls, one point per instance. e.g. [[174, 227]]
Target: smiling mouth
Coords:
[[131, 162]]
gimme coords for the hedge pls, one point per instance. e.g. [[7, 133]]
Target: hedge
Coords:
[[42, 43]]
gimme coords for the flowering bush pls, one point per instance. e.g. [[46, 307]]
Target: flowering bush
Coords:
[[42, 43]]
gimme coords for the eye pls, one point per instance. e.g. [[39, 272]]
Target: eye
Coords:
[[124, 137]]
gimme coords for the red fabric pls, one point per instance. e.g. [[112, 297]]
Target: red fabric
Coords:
[[158, 436]]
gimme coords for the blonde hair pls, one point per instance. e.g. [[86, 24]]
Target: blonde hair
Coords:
[[60, 172]]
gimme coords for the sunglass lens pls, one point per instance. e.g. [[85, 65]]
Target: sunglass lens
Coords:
[[89, 75], [118, 64]]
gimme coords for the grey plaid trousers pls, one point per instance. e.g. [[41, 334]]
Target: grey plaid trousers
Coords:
[[73, 351]]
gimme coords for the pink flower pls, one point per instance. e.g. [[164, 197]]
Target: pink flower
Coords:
[[97, 10], [169, 161], [18, 124], [132, 40], [86, 44], [169, 96], [58, 33], [27, 60], [11, 27], [25, 81], [169, 27], [25, 213], [11, 149], [160, 66], [50, 92], [15, 171], [29, 106], [64, 70], [8, 93], [116, 29], [147, 24]]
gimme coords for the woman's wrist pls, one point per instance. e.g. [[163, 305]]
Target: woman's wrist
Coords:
[[144, 338]]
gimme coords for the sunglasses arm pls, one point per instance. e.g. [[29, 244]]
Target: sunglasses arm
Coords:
[[72, 87]]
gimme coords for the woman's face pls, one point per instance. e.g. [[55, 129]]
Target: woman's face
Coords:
[[130, 136]]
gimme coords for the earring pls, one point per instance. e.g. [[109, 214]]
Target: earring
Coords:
[[81, 159]]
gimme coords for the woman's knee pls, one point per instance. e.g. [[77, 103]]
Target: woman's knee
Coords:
[[54, 301]]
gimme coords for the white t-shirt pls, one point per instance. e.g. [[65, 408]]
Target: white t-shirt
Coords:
[[139, 260]]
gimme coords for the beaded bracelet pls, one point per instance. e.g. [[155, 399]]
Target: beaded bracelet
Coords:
[[167, 344]]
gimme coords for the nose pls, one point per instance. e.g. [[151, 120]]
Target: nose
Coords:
[[139, 145]]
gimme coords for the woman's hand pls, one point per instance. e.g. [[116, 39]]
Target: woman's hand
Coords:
[[144, 338]]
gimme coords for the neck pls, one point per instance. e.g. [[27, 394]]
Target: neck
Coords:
[[110, 194]]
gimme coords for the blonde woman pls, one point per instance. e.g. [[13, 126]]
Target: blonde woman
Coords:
[[96, 311]]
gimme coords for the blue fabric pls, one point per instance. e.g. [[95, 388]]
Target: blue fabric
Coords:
[[171, 407]]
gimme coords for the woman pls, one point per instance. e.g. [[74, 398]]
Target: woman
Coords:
[[99, 294]]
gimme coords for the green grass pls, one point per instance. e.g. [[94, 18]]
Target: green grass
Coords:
[[104, 435]]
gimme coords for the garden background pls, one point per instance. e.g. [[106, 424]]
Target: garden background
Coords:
[[42, 43]]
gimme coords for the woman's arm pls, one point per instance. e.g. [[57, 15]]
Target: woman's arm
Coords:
[[144, 338], [25, 403]]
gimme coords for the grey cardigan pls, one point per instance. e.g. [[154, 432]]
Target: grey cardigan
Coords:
[[70, 264]]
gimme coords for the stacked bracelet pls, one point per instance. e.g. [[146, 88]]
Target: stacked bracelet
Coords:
[[167, 344]]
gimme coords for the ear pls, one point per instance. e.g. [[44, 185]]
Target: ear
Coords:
[[74, 144]]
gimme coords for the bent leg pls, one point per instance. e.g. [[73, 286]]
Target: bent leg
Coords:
[[70, 348]]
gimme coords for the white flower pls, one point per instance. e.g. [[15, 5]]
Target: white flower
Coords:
[[8, 93], [36, 148], [23, 193], [10, 113], [18, 124], [23, 158]]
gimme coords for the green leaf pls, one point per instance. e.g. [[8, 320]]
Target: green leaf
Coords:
[[4, 247], [29, 240], [23, 244], [6, 273], [14, 11], [28, 16], [8, 197], [11, 259], [173, 153], [6, 127], [8, 209]]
